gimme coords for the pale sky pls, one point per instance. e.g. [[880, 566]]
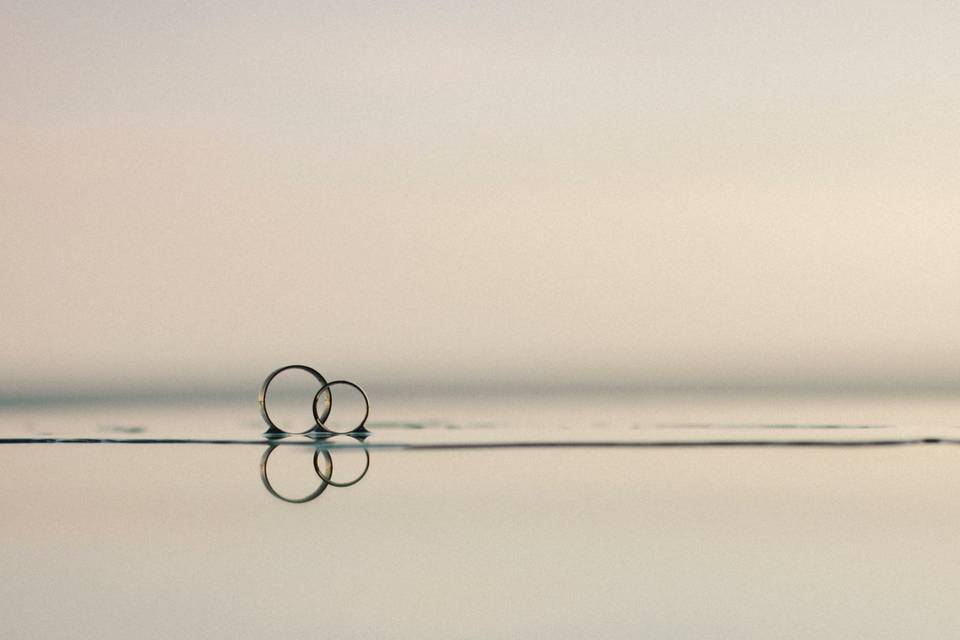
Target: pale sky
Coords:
[[630, 193]]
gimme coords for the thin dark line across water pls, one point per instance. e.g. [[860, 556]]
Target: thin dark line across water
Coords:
[[444, 446]]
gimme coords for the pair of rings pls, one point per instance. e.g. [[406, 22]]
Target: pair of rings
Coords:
[[323, 397]]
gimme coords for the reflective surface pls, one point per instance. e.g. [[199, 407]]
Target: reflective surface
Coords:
[[183, 540]]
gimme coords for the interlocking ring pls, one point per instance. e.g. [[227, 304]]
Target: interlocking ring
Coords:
[[321, 430], [274, 431], [327, 463]]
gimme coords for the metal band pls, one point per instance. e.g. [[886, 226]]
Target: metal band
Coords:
[[273, 431], [321, 430]]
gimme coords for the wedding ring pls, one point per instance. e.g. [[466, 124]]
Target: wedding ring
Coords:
[[274, 431], [321, 430]]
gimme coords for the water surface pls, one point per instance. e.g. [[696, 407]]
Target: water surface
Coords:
[[578, 532]]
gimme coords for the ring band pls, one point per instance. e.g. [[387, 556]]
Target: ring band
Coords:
[[273, 431], [321, 430]]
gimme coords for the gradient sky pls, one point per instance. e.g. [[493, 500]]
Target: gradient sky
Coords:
[[649, 193]]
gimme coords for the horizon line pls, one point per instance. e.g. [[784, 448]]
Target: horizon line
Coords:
[[232, 393]]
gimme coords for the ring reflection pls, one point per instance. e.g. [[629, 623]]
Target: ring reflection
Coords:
[[324, 451]]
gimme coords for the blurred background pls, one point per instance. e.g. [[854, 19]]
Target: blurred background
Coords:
[[620, 195]]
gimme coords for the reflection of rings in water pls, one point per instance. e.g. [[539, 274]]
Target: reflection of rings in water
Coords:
[[328, 476], [321, 429], [328, 465], [273, 431]]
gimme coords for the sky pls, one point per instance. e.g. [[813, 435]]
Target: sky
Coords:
[[617, 194]]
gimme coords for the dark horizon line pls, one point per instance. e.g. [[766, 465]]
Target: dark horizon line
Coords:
[[547, 444], [225, 394]]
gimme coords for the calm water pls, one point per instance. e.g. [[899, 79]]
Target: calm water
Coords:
[[837, 530]]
